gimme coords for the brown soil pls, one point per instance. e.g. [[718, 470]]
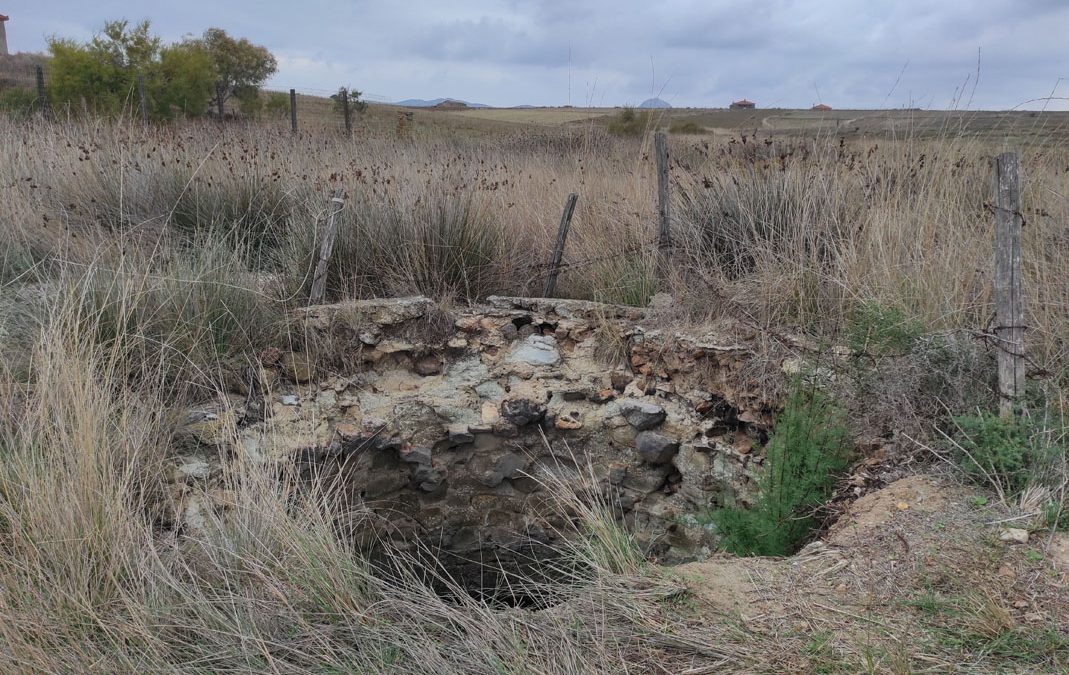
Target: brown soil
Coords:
[[913, 577]]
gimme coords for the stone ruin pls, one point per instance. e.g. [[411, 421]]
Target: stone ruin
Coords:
[[445, 428]]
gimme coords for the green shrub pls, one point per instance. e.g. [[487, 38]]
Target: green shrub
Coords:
[[278, 104], [808, 450], [630, 122], [18, 102], [1013, 454], [878, 328]]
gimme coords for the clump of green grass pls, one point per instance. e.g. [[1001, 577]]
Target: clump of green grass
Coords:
[[439, 244], [180, 319]]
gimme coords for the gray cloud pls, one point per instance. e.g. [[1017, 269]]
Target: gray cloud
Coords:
[[691, 52]]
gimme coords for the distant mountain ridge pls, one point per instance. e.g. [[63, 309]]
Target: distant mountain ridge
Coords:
[[425, 103], [655, 103]]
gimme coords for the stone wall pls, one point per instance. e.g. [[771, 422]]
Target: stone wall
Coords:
[[447, 426]]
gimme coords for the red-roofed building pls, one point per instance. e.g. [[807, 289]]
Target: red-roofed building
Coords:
[[821, 107], [743, 104]]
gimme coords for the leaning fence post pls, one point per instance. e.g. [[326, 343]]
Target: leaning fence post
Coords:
[[319, 280], [664, 236], [1009, 296], [293, 110], [558, 249], [42, 95], [348, 113]]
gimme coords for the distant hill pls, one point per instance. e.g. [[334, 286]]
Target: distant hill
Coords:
[[655, 103], [425, 103]]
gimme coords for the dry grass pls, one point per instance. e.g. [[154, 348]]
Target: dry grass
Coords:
[[162, 257], [797, 233]]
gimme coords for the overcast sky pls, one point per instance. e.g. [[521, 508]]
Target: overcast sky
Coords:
[[779, 53]]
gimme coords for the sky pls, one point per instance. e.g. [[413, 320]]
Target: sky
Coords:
[[938, 54]]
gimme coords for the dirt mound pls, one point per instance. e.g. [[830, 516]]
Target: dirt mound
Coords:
[[921, 494], [913, 577]]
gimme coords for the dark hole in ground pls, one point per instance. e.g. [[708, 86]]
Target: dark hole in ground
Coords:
[[529, 575]]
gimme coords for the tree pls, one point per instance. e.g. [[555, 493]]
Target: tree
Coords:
[[355, 104], [124, 47], [180, 79], [241, 68], [183, 81], [104, 72]]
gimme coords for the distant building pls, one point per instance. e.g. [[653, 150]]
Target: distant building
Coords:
[[3, 34], [821, 107], [743, 104]]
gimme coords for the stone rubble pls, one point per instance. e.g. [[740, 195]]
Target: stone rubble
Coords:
[[451, 427]]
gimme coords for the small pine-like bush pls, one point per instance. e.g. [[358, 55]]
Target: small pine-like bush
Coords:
[[808, 450], [879, 328], [1012, 454]]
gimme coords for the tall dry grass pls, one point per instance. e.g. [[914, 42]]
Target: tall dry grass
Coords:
[[90, 581], [795, 232], [135, 263]]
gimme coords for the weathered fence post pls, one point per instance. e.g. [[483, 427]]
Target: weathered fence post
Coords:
[[319, 280], [293, 110], [558, 249], [664, 236], [42, 95], [141, 97], [348, 113], [1009, 296]]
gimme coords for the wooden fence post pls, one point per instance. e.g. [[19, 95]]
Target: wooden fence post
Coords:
[[558, 249], [42, 94], [1009, 296], [319, 280], [293, 110], [348, 113], [141, 97], [664, 235]]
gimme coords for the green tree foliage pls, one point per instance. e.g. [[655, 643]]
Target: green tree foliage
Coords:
[[104, 72], [808, 450], [124, 47], [79, 72], [182, 79], [241, 68], [355, 103]]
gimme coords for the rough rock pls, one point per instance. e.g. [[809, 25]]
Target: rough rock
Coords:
[[522, 411], [428, 365], [298, 367], [459, 451], [1013, 535], [655, 448], [642, 415], [536, 350]]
